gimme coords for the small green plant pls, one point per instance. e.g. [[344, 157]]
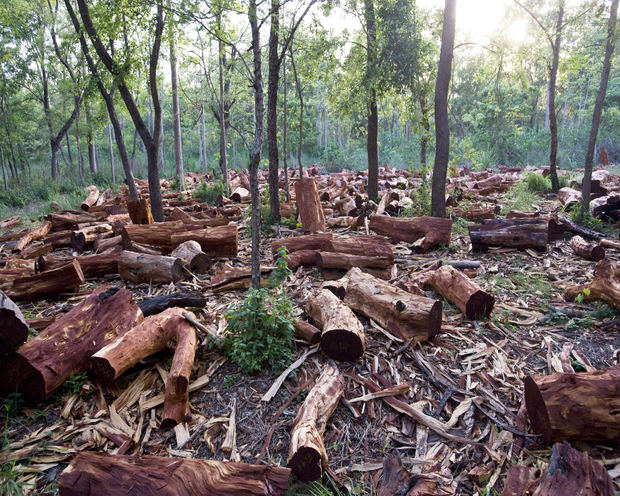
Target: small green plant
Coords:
[[74, 384], [9, 485], [11, 405], [230, 379], [260, 328], [421, 196], [537, 183], [209, 192], [290, 222]]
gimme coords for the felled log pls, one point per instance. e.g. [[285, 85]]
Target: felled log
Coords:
[[13, 326], [140, 211], [459, 289], [605, 286], [569, 196], [148, 249], [575, 406], [191, 253], [334, 274], [307, 332], [217, 242], [301, 258], [477, 212], [432, 231], [35, 250], [59, 239], [570, 225], [10, 222], [91, 265], [158, 234], [555, 228], [309, 205], [511, 233], [365, 246], [306, 242], [157, 304], [228, 274], [84, 237], [41, 365], [92, 474], [32, 235], [141, 267], [408, 316], [287, 210], [240, 195], [345, 206], [51, 282], [91, 199], [344, 261], [69, 219], [103, 243], [590, 251], [307, 455], [151, 336], [343, 336]]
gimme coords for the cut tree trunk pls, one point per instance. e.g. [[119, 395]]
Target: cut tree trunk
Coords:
[[343, 336], [158, 234], [157, 304], [59, 239], [307, 456], [13, 326], [91, 265], [575, 406], [307, 332], [344, 261], [41, 365], [364, 246], [65, 278], [92, 474], [459, 289], [69, 219], [302, 258], [309, 205], [91, 199], [10, 222], [589, 251], [32, 235], [605, 286], [217, 242], [142, 267], [307, 242], [511, 233], [140, 211], [477, 213], [195, 259], [408, 316], [85, 237], [430, 231], [101, 244], [151, 336]]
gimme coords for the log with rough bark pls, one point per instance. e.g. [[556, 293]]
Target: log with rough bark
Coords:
[[65, 278], [301, 258], [140, 211], [344, 261], [142, 267], [40, 323], [85, 237], [91, 199], [555, 228], [477, 212], [428, 232], [309, 205], [10, 222], [69, 219], [157, 304], [151, 336], [32, 235], [104, 242], [575, 406], [41, 365], [605, 286], [192, 255], [511, 233], [91, 265], [240, 195], [217, 242], [569, 196], [408, 316], [570, 225], [306, 242], [307, 332], [13, 326], [59, 239], [364, 246], [343, 336], [459, 289], [92, 474], [590, 251], [307, 456], [158, 235]]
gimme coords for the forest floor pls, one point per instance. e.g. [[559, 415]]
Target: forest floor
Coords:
[[469, 377]]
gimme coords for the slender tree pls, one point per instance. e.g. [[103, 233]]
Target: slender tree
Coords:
[[176, 113], [372, 147]]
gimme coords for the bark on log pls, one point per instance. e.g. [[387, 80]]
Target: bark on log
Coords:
[[459, 289], [59, 239], [307, 242], [84, 237], [103, 243], [511, 233], [217, 242], [141, 267], [157, 304], [431, 230], [605, 286], [589, 251], [307, 456], [32, 235], [35, 250], [407, 316], [191, 253], [91, 265], [301, 258], [397, 480], [572, 226], [309, 205], [555, 229], [69, 219], [307, 332], [140, 211], [40, 323], [91, 199], [91, 474], [41, 365], [343, 336], [344, 261], [569, 196], [575, 406], [51, 282], [10, 222], [13, 326], [477, 212], [151, 336], [158, 235], [366, 246]]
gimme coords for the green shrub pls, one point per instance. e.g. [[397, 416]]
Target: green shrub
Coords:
[[209, 192], [537, 183], [421, 197]]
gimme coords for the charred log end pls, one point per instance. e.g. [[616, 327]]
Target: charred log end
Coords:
[[306, 464], [480, 304], [102, 369], [235, 197], [598, 253], [536, 409], [201, 263], [342, 345], [13, 332], [33, 387], [78, 241], [435, 319]]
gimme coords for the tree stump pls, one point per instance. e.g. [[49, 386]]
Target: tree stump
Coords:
[[140, 211], [309, 205]]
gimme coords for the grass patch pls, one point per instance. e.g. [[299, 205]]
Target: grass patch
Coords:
[[209, 192]]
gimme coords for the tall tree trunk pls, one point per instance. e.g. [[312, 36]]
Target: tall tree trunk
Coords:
[[272, 113], [373, 115], [178, 145], [69, 154], [284, 134], [300, 95], [6, 184], [553, 124], [90, 140], [426, 129], [112, 171], [442, 127], [598, 105], [79, 148], [223, 109], [204, 138]]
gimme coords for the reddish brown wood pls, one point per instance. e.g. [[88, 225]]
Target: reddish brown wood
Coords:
[[575, 406], [41, 365], [603, 157], [306, 242], [83, 238], [301, 258], [91, 199], [363, 246], [477, 212], [555, 230], [92, 474], [13, 326], [605, 286], [343, 336], [585, 249], [459, 289], [103, 243], [91, 265], [69, 219], [344, 261], [35, 250], [569, 196], [151, 336], [142, 267], [52, 282], [217, 242], [59, 239], [511, 233], [40, 323], [140, 211], [10, 222], [32, 235], [307, 332], [192, 255], [397, 480], [520, 481], [431, 230], [307, 456], [158, 235], [309, 205]]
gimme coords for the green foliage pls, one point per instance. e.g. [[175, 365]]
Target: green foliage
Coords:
[[74, 384], [421, 196], [11, 406], [585, 219], [537, 183], [209, 192], [9, 485], [260, 328]]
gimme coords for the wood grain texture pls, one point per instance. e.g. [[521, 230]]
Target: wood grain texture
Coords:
[[432, 230], [309, 205]]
